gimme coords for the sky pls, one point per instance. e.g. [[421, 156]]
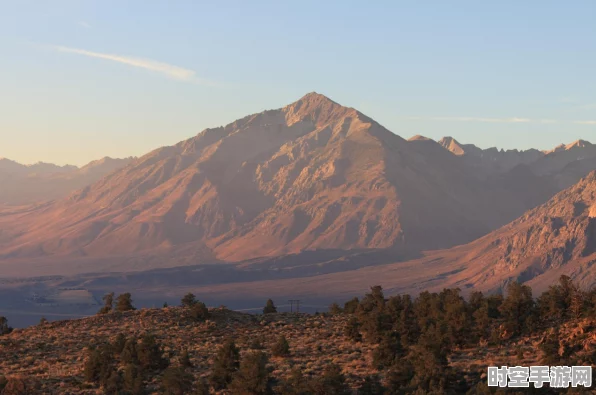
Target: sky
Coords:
[[81, 80]]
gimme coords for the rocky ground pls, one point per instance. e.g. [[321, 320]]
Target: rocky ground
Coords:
[[50, 357]]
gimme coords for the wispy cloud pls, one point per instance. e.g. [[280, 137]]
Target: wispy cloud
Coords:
[[591, 106], [171, 71], [84, 24], [486, 120], [498, 120]]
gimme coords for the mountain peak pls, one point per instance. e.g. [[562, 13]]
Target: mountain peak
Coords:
[[578, 144], [452, 145], [318, 108], [315, 96], [314, 100], [419, 137]]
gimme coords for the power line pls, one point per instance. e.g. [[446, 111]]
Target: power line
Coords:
[[292, 302]]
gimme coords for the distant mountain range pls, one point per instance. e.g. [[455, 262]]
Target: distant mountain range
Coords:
[[26, 184], [321, 178]]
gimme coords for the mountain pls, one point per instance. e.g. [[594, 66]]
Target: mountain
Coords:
[[558, 159], [561, 167], [533, 176], [104, 166], [26, 184], [491, 160], [12, 167], [558, 237], [311, 176]]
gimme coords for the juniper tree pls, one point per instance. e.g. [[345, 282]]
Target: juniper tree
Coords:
[[188, 300], [517, 308], [176, 381], [388, 351], [133, 379], [150, 353], [108, 303], [281, 348], [352, 329], [4, 328], [185, 360], [372, 315], [335, 309], [253, 377], [269, 307], [98, 366], [400, 310], [129, 352], [199, 311], [225, 366], [331, 382], [351, 306], [371, 386], [124, 302], [119, 343], [295, 384], [114, 384], [578, 304]]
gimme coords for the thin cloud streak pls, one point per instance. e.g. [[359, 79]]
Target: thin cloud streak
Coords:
[[171, 71], [591, 106], [84, 24], [480, 119], [497, 120]]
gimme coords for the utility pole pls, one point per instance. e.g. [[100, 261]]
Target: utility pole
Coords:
[[297, 302]]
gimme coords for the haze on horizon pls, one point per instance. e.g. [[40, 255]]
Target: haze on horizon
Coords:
[[81, 81]]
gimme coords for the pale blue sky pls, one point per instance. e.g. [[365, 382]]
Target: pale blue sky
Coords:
[[511, 73]]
